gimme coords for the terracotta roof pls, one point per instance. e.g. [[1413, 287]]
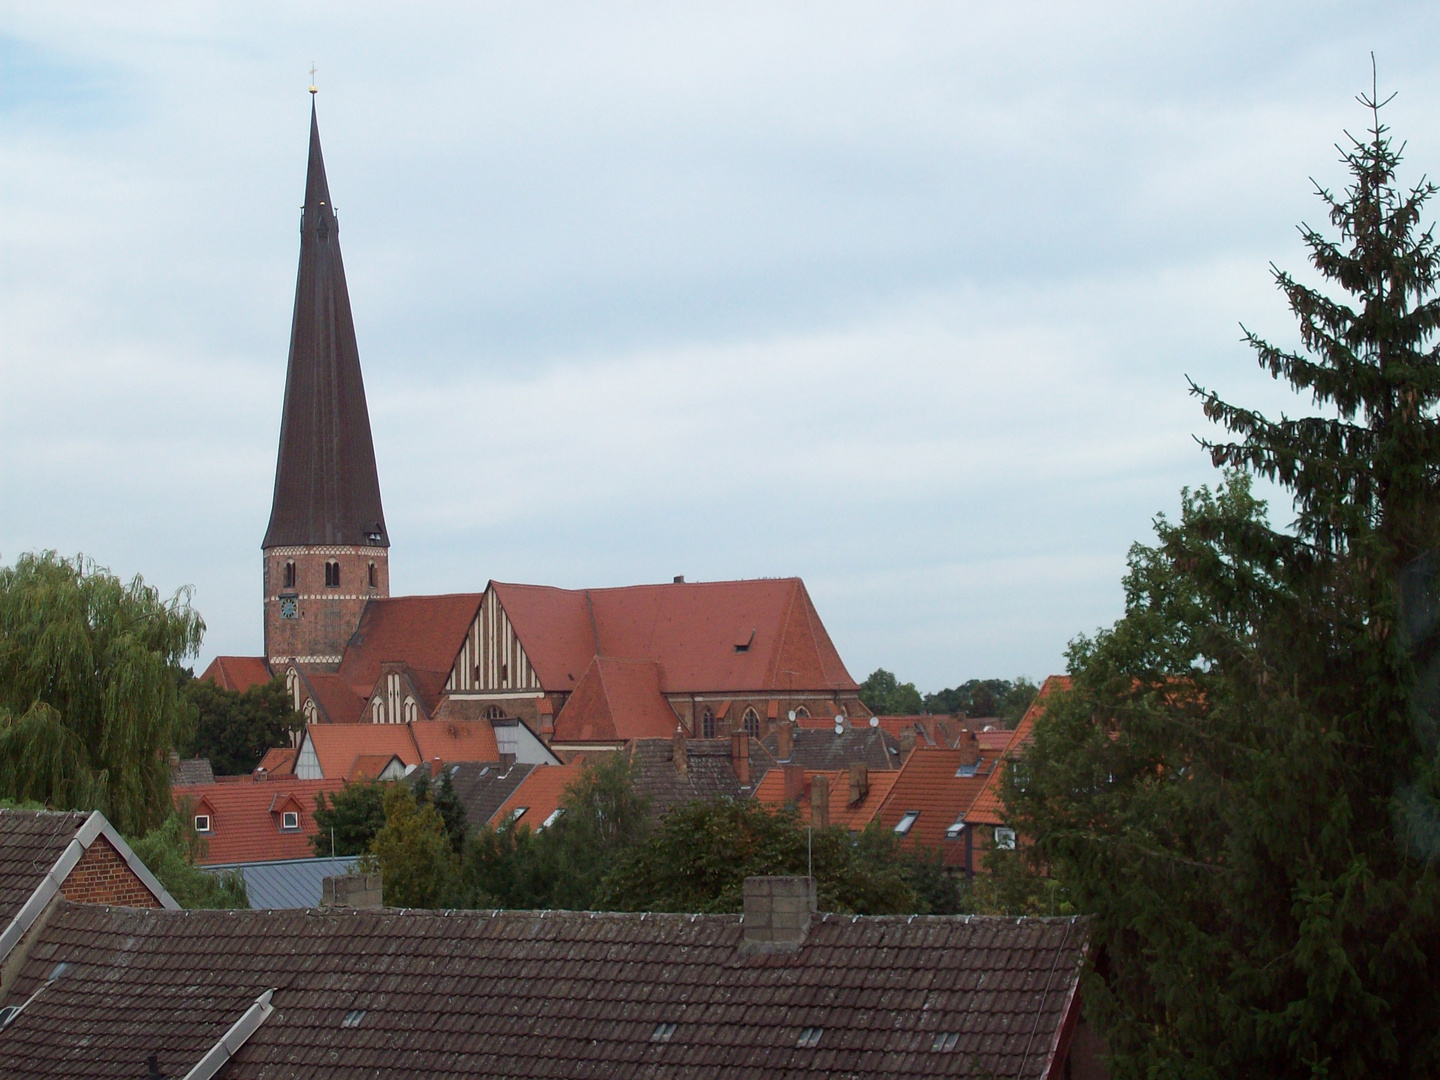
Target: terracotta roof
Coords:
[[326, 487], [929, 783], [189, 771], [989, 808], [338, 745], [689, 628], [555, 994], [423, 632], [616, 700], [279, 760], [370, 766], [821, 748], [539, 793], [238, 673], [483, 787], [455, 740], [338, 701], [771, 791], [245, 817]]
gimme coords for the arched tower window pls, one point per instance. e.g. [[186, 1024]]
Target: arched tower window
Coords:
[[495, 712], [752, 723], [332, 574], [374, 577], [707, 725], [289, 575], [412, 711]]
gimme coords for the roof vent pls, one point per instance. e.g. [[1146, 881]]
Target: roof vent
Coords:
[[353, 1018], [946, 1040], [152, 1065], [662, 1033], [810, 1038]]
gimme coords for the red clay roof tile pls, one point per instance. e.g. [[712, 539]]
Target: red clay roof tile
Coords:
[[616, 700], [988, 808], [245, 818], [928, 783], [539, 793], [424, 632], [237, 673]]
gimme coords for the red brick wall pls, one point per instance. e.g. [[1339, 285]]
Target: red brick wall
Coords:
[[325, 617], [103, 877]]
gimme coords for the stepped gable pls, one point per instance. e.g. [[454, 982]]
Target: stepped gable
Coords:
[[327, 491], [616, 700], [423, 632], [237, 673], [707, 637], [529, 994]]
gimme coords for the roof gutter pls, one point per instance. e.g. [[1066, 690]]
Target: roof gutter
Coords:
[[231, 1042], [95, 826]]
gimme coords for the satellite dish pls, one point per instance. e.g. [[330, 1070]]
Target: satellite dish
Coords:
[[839, 729], [792, 716], [874, 721]]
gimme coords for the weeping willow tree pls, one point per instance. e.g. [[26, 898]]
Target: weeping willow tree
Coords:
[[89, 688]]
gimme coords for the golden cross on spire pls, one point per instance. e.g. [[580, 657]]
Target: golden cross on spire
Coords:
[[313, 88]]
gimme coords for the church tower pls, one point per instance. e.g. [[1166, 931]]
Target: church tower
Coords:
[[326, 552]]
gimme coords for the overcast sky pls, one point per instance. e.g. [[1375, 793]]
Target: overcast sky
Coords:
[[899, 298]]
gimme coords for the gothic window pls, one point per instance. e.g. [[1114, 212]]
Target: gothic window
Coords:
[[289, 574], [412, 711], [374, 577], [332, 574], [802, 713], [495, 712], [707, 725], [752, 723], [377, 711]]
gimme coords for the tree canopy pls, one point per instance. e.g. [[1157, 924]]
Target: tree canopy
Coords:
[[90, 675], [171, 850], [886, 695], [1242, 785], [234, 729]]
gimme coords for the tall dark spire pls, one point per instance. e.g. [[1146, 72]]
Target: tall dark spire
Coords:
[[326, 487]]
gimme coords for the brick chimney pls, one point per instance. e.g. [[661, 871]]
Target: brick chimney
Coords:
[[680, 755], [352, 891], [794, 782], [784, 740], [859, 781], [969, 747], [820, 801], [777, 912], [740, 757]]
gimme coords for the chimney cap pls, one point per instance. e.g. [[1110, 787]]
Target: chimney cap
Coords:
[[679, 579]]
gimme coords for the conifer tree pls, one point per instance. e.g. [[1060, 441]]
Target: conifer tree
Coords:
[[1243, 784]]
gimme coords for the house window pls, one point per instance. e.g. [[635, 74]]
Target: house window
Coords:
[[752, 723], [495, 712], [412, 711], [907, 822], [332, 574], [202, 822], [290, 574], [290, 819], [1005, 839], [374, 577], [377, 711], [707, 724]]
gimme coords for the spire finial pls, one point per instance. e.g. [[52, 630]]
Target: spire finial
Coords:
[[313, 88]]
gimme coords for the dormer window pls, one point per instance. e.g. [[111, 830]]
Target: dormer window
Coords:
[[290, 819], [202, 823], [289, 575], [332, 574]]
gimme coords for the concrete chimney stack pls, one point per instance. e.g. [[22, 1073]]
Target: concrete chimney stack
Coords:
[[778, 912], [859, 781], [680, 753], [352, 891]]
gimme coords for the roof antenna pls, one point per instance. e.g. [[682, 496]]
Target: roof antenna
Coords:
[[313, 88]]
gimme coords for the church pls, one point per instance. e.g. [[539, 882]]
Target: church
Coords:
[[576, 669]]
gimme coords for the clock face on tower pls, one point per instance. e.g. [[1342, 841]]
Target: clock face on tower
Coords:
[[288, 608]]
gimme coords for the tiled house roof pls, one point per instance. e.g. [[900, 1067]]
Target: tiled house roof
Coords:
[[616, 700], [822, 749], [483, 787], [842, 812], [356, 994], [538, 794], [189, 771], [279, 760], [247, 817], [237, 673], [422, 632], [988, 808], [709, 772], [931, 785], [455, 740]]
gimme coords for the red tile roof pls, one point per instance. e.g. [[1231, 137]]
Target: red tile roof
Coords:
[[455, 740], [337, 746], [424, 632], [928, 783], [237, 673], [370, 766], [245, 818], [771, 791], [337, 699], [689, 628], [616, 700], [539, 793], [988, 808], [279, 760]]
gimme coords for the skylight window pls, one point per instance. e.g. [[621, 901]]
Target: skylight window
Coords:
[[662, 1033], [954, 831], [810, 1038], [907, 822], [555, 816], [968, 770], [517, 813], [353, 1018], [946, 1040]]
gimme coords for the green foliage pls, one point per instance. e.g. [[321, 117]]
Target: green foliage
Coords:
[[441, 793], [170, 851], [418, 867], [1004, 699], [885, 695], [350, 819], [234, 729], [1242, 784], [89, 698]]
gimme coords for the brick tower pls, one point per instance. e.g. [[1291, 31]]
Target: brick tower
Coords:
[[326, 552]]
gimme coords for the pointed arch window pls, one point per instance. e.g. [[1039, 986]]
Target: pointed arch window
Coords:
[[752, 723], [495, 712], [332, 574], [802, 713], [707, 724], [289, 574]]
